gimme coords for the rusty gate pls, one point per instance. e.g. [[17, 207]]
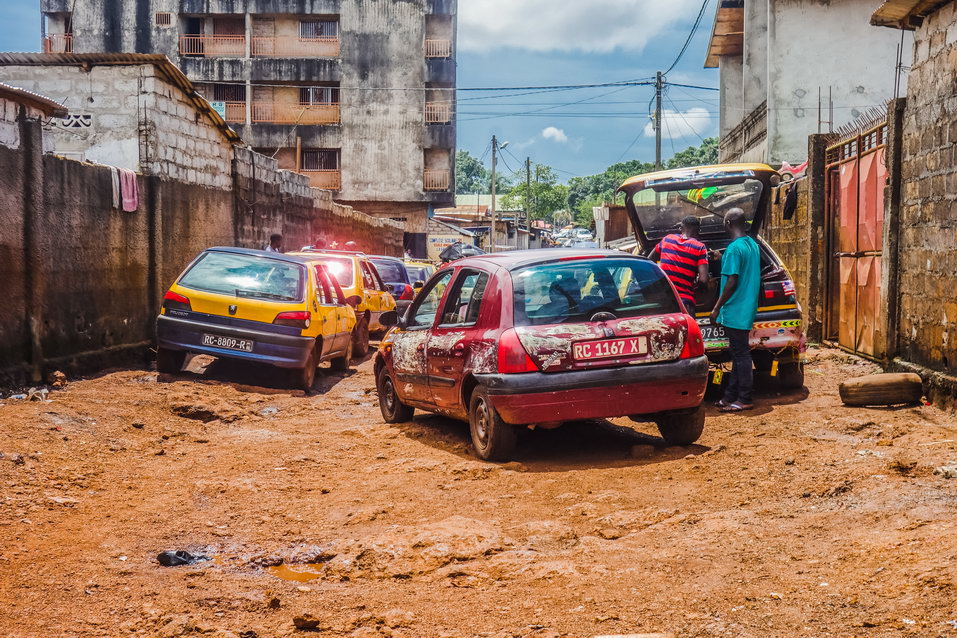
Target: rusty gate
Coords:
[[856, 175]]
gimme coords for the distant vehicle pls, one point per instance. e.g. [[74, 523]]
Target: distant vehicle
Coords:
[[259, 306], [419, 272], [360, 281], [583, 233], [656, 202], [397, 280], [583, 243], [541, 337]]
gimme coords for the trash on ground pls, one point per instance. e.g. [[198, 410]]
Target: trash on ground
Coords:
[[946, 471], [176, 558]]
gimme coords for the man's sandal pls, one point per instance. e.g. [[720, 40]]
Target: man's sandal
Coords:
[[738, 407]]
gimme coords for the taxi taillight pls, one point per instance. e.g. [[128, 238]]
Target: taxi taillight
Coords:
[[407, 293], [175, 301], [295, 319], [694, 344], [512, 356]]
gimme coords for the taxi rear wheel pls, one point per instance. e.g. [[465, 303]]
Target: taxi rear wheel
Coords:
[[304, 377], [169, 361], [393, 410], [341, 364], [492, 438]]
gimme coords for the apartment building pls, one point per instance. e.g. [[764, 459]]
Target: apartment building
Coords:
[[357, 95], [777, 57]]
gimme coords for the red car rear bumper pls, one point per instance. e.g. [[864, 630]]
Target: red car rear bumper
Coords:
[[538, 397]]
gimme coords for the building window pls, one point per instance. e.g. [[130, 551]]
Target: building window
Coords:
[[318, 95], [164, 19], [320, 160], [315, 29], [229, 93]]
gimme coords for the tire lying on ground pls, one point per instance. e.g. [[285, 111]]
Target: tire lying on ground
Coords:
[[882, 389]]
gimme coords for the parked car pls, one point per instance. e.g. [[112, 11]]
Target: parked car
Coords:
[[656, 203], [361, 283], [542, 337], [397, 280], [259, 306], [419, 272]]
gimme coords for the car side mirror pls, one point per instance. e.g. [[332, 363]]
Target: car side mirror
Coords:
[[390, 318], [418, 285], [354, 301]]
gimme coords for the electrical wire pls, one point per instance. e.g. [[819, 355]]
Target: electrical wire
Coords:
[[694, 29], [683, 119]]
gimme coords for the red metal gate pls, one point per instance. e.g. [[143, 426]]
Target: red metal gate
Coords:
[[856, 174]]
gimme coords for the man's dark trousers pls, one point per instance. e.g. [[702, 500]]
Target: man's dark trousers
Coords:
[[741, 382]]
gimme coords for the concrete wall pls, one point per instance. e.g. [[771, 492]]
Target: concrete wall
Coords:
[[382, 133], [823, 43], [754, 60], [927, 248], [732, 93], [82, 282]]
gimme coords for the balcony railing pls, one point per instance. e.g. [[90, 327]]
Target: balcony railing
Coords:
[[235, 112], [438, 112], [436, 180], [278, 113], [326, 179], [213, 45], [58, 43], [438, 48], [294, 47]]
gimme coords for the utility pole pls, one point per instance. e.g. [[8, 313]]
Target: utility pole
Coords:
[[528, 189], [491, 233], [658, 87]]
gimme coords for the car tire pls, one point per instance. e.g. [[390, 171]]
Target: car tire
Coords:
[[341, 364], [360, 337], [492, 438], [169, 361], [791, 375], [304, 377], [393, 410], [682, 428]]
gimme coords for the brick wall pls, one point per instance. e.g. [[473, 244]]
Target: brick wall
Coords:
[[791, 239], [927, 249]]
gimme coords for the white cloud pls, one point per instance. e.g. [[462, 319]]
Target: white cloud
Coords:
[[544, 25], [675, 125], [554, 134]]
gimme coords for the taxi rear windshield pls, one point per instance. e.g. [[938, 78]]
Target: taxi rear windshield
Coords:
[[342, 269], [246, 276], [575, 291]]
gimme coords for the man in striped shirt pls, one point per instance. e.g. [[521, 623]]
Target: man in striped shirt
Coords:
[[685, 260]]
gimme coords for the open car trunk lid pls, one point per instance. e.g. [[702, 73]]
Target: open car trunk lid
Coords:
[[657, 202]]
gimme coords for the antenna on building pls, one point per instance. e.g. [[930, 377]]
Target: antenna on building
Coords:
[[830, 111]]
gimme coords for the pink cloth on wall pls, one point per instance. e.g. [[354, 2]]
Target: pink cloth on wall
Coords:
[[129, 190]]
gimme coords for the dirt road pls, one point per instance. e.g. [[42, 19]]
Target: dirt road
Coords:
[[803, 518]]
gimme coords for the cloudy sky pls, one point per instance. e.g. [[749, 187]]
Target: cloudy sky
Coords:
[[533, 43]]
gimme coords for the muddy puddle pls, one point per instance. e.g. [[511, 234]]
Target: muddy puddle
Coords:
[[296, 573]]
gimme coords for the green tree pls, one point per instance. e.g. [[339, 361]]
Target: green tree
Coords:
[[703, 155], [584, 193], [547, 194], [472, 177]]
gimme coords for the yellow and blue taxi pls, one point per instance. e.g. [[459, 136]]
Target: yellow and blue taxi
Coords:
[[363, 287], [253, 305]]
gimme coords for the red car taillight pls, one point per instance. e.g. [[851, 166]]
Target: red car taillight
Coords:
[[694, 344], [512, 357], [298, 319], [407, 293], [175, 301]]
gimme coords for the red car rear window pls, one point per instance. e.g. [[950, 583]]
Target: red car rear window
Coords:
[[574, 291]]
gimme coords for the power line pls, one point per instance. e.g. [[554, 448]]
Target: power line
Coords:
[[693, 86], [682, 116], [694, 29]]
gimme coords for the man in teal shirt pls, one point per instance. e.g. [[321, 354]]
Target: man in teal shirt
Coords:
[[737, 307]]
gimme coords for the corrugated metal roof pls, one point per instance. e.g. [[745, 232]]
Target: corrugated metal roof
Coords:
[[49, 107], [905, 14], [161, 62]]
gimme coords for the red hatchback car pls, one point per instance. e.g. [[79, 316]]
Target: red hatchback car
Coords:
[[540, 337]]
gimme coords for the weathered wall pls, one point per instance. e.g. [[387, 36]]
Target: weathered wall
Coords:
[[928, 209], [846, 53], [81, 281]]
